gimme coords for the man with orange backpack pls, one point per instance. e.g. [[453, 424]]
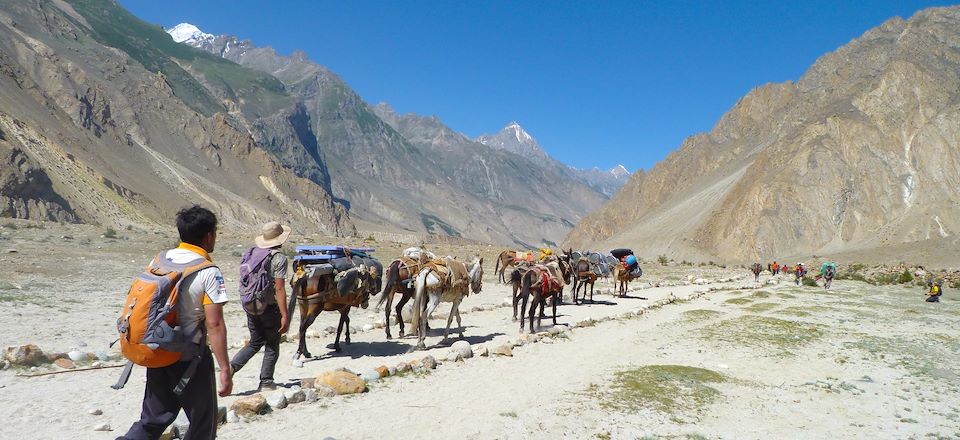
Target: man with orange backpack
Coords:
[[173, 310]]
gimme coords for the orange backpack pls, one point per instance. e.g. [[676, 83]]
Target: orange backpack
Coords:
[[149, 332]]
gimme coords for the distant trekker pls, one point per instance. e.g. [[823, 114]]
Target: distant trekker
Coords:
[[828, 271], [263, 270], [776, 268], [936, 289], [756, 269], [799, 272]]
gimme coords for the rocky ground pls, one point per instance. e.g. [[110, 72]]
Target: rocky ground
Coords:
[[730, 359]]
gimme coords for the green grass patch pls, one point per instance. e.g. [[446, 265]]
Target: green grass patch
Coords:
[[760, 294], [922, 356], [739, 301], [777, 335], [761, 307], [677, 390], [700, 315], [796, 311]]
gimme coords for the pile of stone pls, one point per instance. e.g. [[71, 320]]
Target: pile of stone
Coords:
[[32, 357]]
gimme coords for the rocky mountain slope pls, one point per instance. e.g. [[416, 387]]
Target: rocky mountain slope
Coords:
[[607, 182], [407, 173], [515, 139], [104, 120], [860, 153]]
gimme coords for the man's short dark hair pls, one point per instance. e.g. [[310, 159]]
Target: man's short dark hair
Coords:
[[194, 223]]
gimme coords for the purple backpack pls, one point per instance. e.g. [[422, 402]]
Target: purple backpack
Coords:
[[255, 281]]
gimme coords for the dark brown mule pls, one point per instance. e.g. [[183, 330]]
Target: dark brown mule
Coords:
[[399, 279], [583, 274], [319, 293], [540, 282], [505, 259], [515, 277]]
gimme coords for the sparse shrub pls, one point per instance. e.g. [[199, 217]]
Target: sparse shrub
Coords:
[[905, 277], [710, 263], [663, 260], [853, 276], [129, 227], [686, 263], [809, 282], [369, 238], [110, 233], [10, 225], [886, 278]]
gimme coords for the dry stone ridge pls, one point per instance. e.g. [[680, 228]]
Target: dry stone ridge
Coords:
[[861, 152]]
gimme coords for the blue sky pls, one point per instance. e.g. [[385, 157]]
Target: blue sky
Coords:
[[597, 83]]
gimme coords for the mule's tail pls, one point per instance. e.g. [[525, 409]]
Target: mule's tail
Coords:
[[419, 299], [292, 301], [496, 267], [393, 274]]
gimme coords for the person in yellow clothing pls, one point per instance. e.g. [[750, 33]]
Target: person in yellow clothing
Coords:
[[936, 289]]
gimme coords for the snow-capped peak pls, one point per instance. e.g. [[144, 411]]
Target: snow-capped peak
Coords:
[[619, 171], [519, 132], [188, 33]]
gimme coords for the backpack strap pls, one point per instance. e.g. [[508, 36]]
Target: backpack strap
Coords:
[[192, 268]]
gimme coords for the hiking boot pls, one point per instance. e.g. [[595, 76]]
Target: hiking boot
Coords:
[[267, 385]]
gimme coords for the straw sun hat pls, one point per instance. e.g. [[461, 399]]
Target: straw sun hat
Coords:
[[272, 234]]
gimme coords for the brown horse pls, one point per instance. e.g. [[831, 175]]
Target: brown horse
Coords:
[[505, 259], [540, 282], [318, 292], [621, 279], [399, 279]]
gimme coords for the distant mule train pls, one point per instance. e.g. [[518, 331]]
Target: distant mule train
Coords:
[[337, 278]]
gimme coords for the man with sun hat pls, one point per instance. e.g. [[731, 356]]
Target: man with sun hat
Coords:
[[263, 271]]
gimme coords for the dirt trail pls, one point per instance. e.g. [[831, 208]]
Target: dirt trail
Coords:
[[780, 361]]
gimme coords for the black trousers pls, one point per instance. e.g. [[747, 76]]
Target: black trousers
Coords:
[[933, 299], [264, 332], [161, 405]]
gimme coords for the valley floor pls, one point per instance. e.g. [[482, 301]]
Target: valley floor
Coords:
[[736, 360]]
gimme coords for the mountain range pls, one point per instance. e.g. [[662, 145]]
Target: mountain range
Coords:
[[111, 120], [410, 173], [861, 153]]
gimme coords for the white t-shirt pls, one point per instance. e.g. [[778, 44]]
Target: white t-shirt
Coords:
[[204, 287]]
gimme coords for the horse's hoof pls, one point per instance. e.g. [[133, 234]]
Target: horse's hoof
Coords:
[[391, 337], [307, 355], [401, 334]]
